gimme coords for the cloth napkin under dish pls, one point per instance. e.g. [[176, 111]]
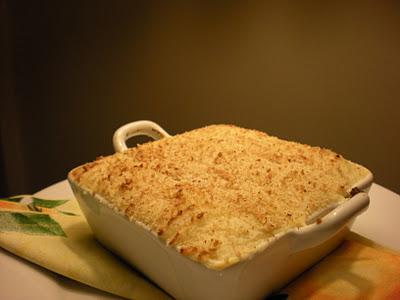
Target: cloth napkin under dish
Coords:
[[54, 234], [357, 269]]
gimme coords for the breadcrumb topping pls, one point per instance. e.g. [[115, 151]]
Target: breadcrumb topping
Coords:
[[219, 192]]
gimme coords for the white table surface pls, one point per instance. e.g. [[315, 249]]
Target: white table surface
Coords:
[[20, 279]]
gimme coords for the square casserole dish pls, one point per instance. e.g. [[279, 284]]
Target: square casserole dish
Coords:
[[285, 256]]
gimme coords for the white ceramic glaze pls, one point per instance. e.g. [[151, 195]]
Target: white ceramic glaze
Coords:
[[281, 259]]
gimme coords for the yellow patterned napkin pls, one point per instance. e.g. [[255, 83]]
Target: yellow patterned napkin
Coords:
[[54, 234], [359, 269]]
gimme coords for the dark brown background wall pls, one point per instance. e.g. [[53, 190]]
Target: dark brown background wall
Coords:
[[325, 74]]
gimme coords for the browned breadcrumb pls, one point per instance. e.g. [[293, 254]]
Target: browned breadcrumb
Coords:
[[217, 193]]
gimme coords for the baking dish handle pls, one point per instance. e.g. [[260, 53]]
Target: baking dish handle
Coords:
[[129, 130], [324, 228]]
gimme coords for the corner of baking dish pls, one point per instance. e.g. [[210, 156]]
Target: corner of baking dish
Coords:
[[361, 187], [104, 201]]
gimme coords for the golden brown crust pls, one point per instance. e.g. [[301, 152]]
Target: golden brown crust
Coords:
[[218, 192]]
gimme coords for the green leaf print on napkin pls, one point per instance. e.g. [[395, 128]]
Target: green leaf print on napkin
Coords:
[[12, 199], [47, 203], [31, 215], [30, 223], [37, 202]]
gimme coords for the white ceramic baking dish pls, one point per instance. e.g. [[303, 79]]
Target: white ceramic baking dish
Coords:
[[283, 257]]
